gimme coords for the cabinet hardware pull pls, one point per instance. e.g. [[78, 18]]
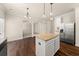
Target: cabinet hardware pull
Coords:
[[39, 43]]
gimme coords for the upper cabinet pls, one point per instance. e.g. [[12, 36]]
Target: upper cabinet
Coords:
[[68, 17], [44, 26]]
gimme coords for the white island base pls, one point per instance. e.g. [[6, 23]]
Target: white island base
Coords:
[[47, 44]]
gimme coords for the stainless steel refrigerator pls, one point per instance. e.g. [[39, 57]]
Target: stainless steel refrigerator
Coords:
[[67, 33]]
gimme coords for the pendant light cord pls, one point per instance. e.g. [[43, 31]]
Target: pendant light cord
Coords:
[[27, 12], [44, 8], [51, 7]]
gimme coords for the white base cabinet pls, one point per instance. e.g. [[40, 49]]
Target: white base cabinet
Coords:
[[47, 48]]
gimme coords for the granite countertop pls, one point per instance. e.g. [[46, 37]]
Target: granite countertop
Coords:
[[47, 36]]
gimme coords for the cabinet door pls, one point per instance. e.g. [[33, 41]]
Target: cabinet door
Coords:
[[40, 47], [49, 48], [56, 44]]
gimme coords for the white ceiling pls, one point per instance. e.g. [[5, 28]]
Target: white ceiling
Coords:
[[36, 9]]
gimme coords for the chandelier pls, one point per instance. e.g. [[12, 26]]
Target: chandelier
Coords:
[[28, 14]]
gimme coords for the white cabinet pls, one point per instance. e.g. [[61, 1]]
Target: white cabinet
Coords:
[[47, 48], [40, 50], [45, 26], [56, 44]]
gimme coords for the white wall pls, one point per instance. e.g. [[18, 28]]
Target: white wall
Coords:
[[77, 25], [14, 28]]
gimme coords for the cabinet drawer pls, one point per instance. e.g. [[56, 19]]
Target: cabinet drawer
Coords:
[[56, 44], [50, 49]]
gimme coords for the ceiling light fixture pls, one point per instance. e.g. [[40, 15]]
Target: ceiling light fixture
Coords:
[[51, 14], [44, 15], [28, 14]]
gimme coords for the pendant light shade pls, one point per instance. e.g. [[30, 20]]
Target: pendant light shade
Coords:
[[51, 8]]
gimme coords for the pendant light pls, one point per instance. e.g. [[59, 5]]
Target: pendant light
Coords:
[[28, 14], [44, 15], [51, 14]]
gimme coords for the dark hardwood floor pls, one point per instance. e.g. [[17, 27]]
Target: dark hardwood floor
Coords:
[[26, 47], [67, 50]]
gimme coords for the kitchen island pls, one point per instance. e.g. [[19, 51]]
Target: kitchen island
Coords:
[[47, 44]]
